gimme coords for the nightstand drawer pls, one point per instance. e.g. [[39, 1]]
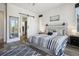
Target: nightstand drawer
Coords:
[[74, 40]]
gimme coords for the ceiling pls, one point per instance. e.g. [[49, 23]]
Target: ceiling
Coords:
[[38, 7]]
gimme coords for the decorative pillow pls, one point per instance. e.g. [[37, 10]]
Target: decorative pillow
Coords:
[[54, 30], [49, 33]]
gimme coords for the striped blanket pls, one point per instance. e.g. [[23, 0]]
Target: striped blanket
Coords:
[[41, 39], [55, 44]]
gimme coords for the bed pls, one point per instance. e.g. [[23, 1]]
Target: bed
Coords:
[[52, 44]]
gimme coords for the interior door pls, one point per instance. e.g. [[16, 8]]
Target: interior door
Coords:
[[13, 29], [30, 27]]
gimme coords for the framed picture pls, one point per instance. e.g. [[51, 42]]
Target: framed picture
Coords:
[[54, 18]]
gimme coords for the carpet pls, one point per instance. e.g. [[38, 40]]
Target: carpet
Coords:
[[20, 51]]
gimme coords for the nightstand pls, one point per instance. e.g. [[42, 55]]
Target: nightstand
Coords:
[[74, 40]]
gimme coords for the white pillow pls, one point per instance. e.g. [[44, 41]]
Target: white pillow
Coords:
[[60, 32]]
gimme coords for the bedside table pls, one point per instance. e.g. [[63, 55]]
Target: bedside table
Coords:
[[74, 40]]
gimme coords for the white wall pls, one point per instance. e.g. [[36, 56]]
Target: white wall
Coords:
[[13, 10], [1, 25], [2, 6], [1, 21], [67, 14]]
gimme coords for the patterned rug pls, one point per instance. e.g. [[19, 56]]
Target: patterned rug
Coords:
[[20, 51]]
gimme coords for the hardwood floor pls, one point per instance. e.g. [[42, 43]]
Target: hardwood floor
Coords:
[[71, 50]]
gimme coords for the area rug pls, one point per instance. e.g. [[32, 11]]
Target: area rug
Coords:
[[20, 51]]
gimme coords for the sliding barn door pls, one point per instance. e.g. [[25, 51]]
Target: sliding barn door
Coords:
[[31, 28]]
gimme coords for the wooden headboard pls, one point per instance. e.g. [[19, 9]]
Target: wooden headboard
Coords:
[[58, 28]]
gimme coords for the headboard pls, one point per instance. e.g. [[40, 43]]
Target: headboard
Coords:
[[61, 29]]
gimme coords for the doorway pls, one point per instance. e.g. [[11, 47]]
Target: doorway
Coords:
[[23, 29], [24, 26], [13, 29]]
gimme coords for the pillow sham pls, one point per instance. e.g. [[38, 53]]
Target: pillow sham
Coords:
[[49, 33]]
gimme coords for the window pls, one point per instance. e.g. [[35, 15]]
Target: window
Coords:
[[13, 27], [77, 16]]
